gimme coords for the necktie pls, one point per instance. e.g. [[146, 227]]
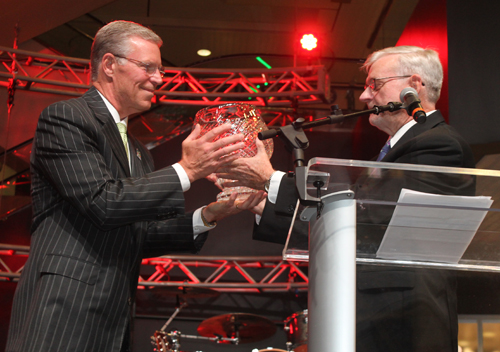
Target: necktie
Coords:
[[385, 150], [123, 133]]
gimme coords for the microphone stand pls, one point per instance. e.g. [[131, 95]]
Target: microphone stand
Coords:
[[296, 141]]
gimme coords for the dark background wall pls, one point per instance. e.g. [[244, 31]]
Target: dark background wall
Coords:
[[474, 51]]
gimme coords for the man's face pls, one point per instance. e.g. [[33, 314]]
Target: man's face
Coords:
[[386, 91], [133, 86]]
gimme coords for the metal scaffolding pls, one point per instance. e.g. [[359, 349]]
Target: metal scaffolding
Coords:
[[276, 87], [223, 274]]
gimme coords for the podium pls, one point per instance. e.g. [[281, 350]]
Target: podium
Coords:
[[452, 224]]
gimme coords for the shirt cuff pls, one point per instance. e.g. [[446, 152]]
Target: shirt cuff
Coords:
[[257, 219], [183, 177], [198, 225], [274, 186]]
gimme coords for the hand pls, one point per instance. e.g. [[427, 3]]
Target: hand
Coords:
[[219, 210], [249, 172], [259, 208], [202, 156], [214, 179]]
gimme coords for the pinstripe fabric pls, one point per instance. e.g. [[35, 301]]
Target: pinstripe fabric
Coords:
[[92, 225]]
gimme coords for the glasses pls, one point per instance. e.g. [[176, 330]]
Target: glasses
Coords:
[[149, 68], [375, 85]]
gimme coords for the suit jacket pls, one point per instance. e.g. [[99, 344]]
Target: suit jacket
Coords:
[[398, 309], [94, 219]]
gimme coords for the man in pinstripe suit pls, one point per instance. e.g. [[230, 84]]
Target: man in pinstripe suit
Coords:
[[99, 207]]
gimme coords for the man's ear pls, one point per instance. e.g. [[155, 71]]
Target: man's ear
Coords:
[[416, 83], [108, 64]]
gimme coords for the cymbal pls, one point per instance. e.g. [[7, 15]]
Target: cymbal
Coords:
[[186, 291], [248, 327]]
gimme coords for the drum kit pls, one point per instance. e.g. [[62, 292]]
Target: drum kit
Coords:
[[232, 328]]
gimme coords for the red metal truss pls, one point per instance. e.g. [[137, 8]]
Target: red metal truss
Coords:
[[224, 274], [184, 86]]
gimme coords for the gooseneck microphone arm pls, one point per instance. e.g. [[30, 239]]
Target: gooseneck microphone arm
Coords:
[[296, 141], [300, 123]]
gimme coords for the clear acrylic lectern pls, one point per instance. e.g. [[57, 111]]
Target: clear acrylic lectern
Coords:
[[383, 214]]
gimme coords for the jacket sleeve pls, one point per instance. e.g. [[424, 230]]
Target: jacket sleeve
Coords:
[[277, 218]]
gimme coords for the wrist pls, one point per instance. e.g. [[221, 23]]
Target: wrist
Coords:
[[267, 184], [207, 217], [189, 173]]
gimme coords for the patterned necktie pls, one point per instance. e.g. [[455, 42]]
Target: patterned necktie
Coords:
[[385, 150], [123, 133]]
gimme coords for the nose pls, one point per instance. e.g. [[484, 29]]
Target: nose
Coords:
[[366, 96], [156, 78]]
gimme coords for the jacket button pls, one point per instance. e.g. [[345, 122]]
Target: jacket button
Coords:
[[291, 208]]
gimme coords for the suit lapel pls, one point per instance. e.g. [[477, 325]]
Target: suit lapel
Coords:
[[109, 128], [433, 120], [136, 159]]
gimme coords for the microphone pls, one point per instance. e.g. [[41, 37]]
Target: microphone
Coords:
[[409, 97]]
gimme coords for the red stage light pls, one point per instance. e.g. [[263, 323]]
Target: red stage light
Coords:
[[309, 42]]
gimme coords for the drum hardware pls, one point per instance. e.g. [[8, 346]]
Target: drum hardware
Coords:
[[296, 331], [246, 327], [170, 342], [161, 338]]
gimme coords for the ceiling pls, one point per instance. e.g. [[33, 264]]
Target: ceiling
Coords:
[[235, 31]]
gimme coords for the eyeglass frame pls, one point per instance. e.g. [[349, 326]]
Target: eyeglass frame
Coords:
[[373, 85], [145, 66]]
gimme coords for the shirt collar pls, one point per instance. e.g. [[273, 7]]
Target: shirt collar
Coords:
[[112, 110], [400, 133]]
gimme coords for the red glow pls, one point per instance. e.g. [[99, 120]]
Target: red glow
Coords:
[[309, 42], [427, 28]]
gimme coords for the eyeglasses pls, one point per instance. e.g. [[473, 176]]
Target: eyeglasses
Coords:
[[375, 86], [149, 68]]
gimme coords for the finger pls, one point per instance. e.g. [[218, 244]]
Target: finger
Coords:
[[225, 160], [227, 175], [229, 141], [259, 197], [252, 200], [226, 150], [212, 134], [261, 148], [212, 178], [195, 133], [232, 199]]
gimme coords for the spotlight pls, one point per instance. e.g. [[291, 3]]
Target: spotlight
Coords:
[[309, 42], [204, 52]]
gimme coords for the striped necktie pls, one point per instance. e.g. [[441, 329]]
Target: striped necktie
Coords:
[[385, 150], [123, 133]]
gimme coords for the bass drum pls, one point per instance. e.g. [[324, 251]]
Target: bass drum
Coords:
[[296, 330]]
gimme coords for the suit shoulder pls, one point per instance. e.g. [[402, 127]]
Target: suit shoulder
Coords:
[[446, 140]]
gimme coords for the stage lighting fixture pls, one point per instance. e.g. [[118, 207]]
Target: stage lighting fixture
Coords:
[[204, 52], [309, 42]]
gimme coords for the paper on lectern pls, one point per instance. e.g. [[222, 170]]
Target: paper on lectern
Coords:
[[431, 232]]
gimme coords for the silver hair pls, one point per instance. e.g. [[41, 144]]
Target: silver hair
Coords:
[[415, 60], [114, 38]]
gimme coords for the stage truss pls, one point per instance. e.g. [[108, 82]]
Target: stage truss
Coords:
[[223, 274], [276, 87]]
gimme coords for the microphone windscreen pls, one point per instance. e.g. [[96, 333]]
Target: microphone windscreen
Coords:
[[406, 91]]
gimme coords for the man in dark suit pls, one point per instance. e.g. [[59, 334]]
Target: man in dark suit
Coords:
[[99, 207], [397, 309]]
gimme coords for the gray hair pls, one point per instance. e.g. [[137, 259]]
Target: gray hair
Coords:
[[114, 38], [415, 60]]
